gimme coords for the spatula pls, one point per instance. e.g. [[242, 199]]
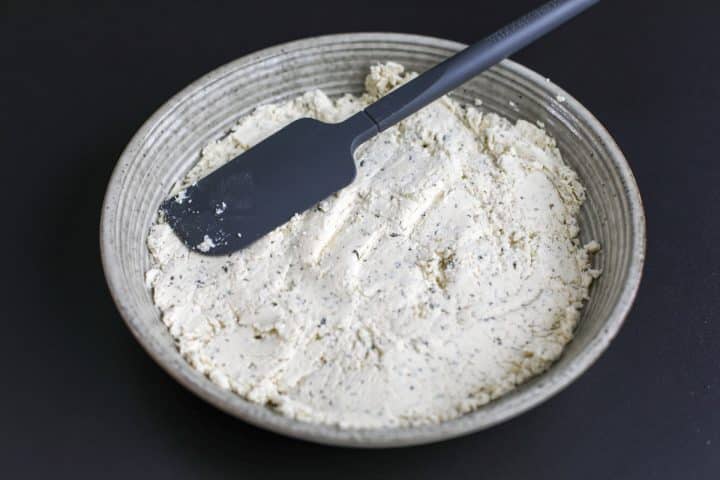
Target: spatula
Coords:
[[309, 160]]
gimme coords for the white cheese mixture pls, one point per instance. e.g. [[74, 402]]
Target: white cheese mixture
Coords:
[[445, 275]]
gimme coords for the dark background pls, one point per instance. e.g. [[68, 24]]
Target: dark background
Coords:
[[80, 399]]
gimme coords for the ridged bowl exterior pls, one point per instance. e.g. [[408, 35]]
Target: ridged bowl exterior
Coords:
[[168, 144]]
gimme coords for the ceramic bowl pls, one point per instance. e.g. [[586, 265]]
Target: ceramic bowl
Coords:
[[168, 144]]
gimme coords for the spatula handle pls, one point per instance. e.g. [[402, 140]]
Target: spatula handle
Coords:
[[468, 63]]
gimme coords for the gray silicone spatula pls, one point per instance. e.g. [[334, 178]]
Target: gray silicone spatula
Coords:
[[308, 160]]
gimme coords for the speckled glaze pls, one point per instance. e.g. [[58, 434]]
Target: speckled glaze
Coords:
[[168, 144]]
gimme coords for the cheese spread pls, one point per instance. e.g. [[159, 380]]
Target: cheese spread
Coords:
[[446, 274]]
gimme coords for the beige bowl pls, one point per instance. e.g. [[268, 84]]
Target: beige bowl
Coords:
[[168, 144]]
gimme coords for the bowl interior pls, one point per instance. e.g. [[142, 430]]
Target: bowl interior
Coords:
[[169, 143]]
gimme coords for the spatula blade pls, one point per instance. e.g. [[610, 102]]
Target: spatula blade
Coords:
[[263, 188]]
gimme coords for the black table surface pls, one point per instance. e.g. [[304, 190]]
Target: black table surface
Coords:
[[81, 399]]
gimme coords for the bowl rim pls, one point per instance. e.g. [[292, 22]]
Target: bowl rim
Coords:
[[387, 437]]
